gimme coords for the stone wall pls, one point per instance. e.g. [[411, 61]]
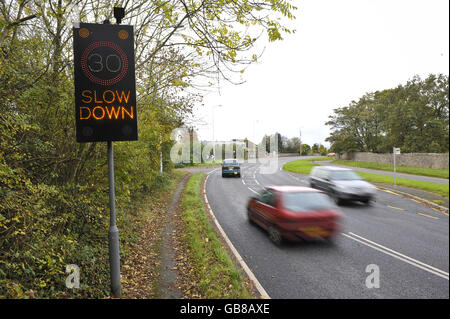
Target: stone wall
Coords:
[[427, 160]]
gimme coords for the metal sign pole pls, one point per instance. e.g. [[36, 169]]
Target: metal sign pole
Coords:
[[113, 233], [104, 69]]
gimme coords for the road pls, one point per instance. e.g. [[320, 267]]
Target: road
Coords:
[[408, 242]]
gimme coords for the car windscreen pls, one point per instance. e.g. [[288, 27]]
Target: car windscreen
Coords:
[[345, 175], [306, 201]]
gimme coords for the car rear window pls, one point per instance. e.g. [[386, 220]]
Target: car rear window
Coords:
[[306, 201], [231, 162]]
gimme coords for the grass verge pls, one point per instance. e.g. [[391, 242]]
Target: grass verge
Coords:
[[215, 272], [438, 189], [204, 164], [433, 172], [305, 166]]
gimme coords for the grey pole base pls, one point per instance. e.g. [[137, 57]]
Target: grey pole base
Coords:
[[114, 260]]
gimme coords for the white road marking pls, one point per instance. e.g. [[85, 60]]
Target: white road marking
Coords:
[[253, 190], [398, 255], [212, 171]]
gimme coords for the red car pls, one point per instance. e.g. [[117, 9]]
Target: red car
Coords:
[[294, 213]]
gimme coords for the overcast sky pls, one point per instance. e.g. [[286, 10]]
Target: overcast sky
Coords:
[[341, 50]]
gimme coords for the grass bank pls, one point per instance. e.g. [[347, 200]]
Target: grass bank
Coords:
[[305, 166], [215, 272], [438, 189], [433, 172], [211, 163]]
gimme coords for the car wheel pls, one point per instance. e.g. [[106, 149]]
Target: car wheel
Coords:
[[336, 199], [312, 185], [331, 241], [250, 216], [275, 235], [366, 201], [239, 175]]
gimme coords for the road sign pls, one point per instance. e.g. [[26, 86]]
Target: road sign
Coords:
[[396, 151], [105, 86]]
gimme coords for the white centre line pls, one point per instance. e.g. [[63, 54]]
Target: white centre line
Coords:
[[398, 255], [212, 171]]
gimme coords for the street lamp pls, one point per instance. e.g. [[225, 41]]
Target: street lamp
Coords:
[[214, 141], [300, 141]]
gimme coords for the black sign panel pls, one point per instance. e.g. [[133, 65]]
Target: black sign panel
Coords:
[[105, 87]]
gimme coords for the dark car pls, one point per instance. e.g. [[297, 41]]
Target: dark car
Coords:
[[231, 167], [294, 213], [341, 184]]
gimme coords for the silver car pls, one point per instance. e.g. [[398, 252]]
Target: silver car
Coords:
[[341, 184]]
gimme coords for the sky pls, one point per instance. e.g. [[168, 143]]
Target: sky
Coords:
[[340, 51]]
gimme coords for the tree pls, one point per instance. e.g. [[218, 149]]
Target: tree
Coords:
[[315, 148], [293, 145], [306, 149], [413, 116], [53, 190], [322, 150]]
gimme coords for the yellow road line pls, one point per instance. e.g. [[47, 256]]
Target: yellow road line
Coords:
[[396, 207], [429, 216], [439, 211], [387, 191]]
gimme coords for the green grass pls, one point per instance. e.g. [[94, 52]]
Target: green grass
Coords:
[[434, 172], [218, 277], [305, 166], [181, 165], [302, 166], [436, 188]]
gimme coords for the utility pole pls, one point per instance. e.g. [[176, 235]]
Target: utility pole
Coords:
[[300, 142]]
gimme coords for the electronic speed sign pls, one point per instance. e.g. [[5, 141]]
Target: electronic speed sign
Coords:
[[105, 87]]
